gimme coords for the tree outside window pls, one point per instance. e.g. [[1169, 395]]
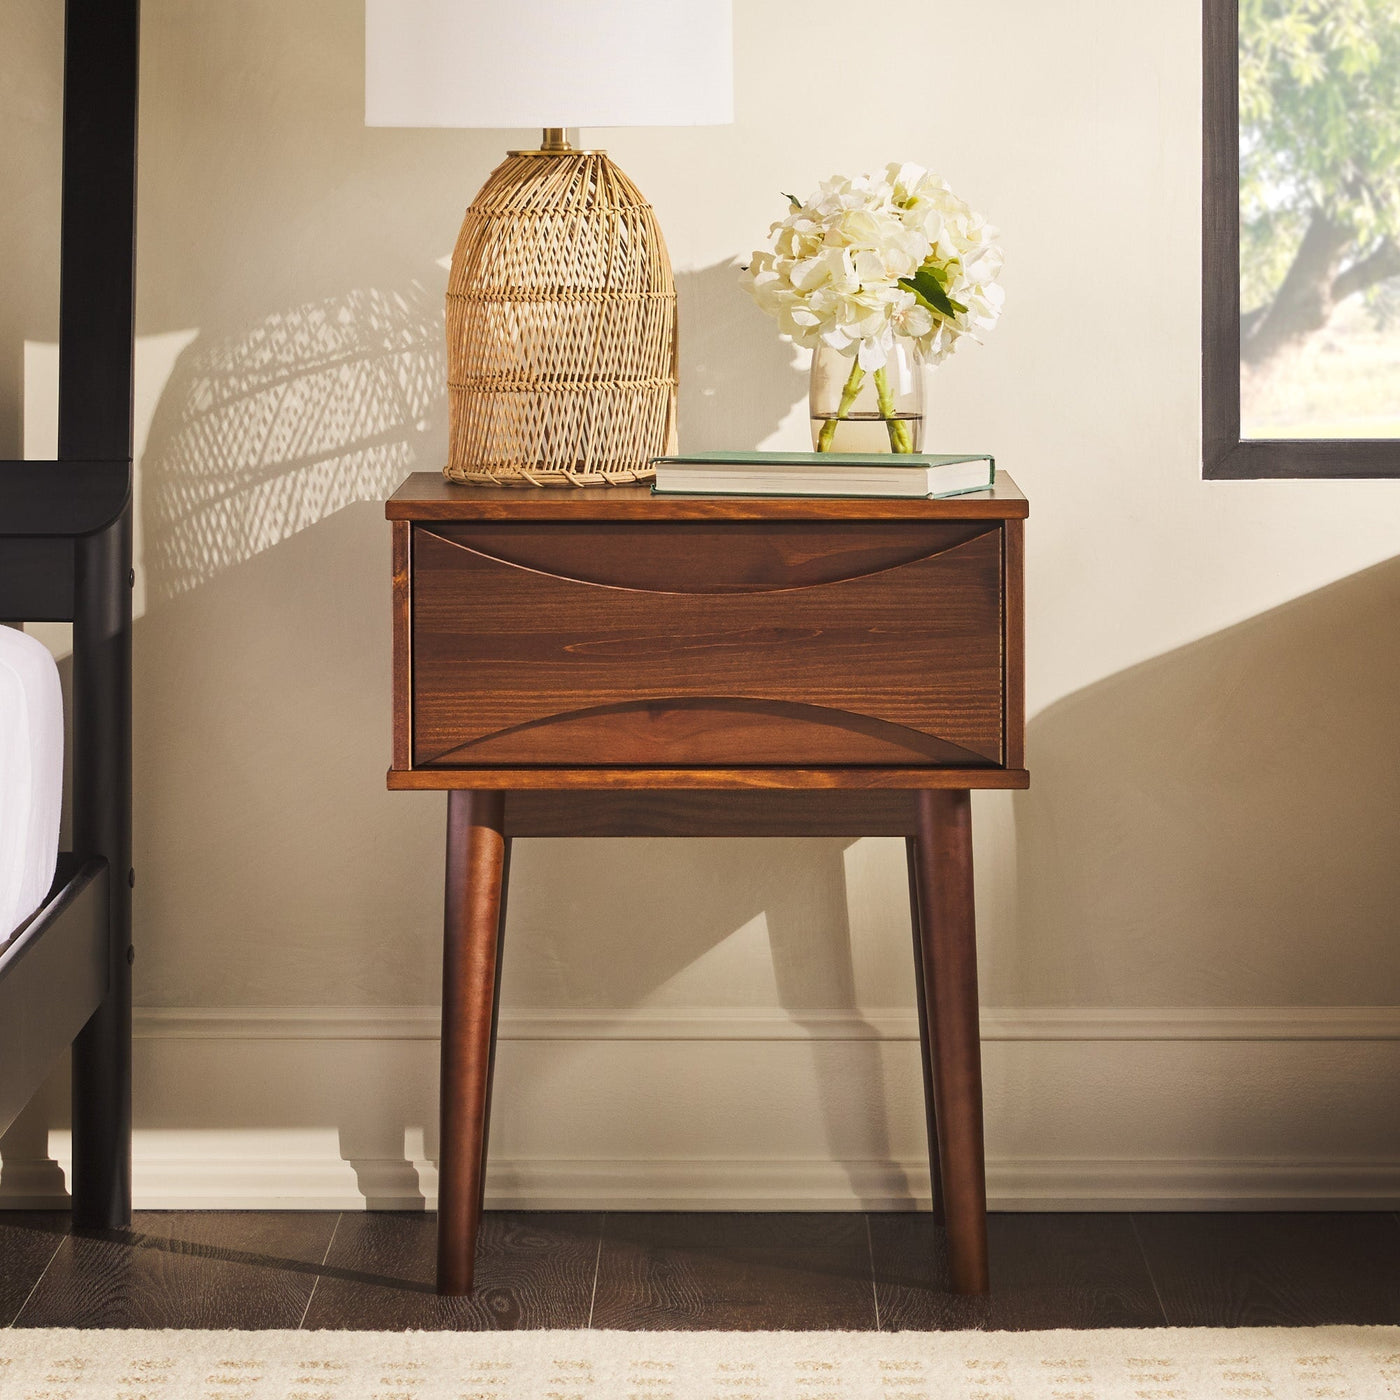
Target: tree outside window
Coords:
[[1318, 219]]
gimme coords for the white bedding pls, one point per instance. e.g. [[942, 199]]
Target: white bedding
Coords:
[[31, 775]]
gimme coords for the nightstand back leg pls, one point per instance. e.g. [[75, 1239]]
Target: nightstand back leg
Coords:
[[948, 934], [476, 857], [911, 850], [495, 1018]]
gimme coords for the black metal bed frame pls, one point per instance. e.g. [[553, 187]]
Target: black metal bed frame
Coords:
[[65, 555]]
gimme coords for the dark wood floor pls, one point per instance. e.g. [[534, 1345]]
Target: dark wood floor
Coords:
[[370, 1270]]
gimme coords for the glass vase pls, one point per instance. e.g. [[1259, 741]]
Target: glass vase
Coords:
[[856, 410]]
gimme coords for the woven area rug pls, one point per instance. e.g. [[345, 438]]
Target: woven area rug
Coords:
[[1172, 1364]]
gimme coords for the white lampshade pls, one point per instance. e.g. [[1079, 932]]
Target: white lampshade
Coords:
[[548, 63]]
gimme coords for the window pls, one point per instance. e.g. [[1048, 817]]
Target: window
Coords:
[[1301, 238]]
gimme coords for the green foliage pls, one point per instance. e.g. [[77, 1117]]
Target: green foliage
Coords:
[[930, 285], [1319, 128]]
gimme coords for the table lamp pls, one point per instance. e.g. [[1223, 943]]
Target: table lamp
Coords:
[[561, 307]]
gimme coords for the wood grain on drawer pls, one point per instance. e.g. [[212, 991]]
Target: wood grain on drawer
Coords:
[[760, 643]]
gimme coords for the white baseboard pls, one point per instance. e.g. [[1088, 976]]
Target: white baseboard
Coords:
[[246, 1181], [704, 1109], [706, 1023]]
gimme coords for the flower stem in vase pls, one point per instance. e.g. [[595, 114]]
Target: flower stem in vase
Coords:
[[848, 398], [900, 441]]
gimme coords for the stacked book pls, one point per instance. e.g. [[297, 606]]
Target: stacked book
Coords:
[[822, 474]]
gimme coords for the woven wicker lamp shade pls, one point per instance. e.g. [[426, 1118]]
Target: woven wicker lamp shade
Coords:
[[561, 307]]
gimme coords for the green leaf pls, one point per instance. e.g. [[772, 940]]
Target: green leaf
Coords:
[[792, 199], [927, 285]]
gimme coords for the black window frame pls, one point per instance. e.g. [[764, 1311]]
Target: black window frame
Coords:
[[1225, 455]]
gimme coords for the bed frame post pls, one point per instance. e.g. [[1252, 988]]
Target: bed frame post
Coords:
[[101, 1183], [96, 328]]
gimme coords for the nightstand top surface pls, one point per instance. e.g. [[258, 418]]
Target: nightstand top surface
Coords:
[[429, 496]]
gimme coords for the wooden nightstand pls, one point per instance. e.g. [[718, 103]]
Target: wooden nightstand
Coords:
[[602, 662]]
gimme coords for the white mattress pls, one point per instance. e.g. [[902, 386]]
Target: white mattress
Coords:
[[31, 775]]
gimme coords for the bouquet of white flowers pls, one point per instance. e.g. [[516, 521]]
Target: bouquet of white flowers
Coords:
[[866, 260]]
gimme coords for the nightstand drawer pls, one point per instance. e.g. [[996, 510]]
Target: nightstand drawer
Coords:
[[694, 643]]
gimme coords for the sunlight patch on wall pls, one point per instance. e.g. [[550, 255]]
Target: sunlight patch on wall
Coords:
[[154, 361], [742, 962], [40, 400]]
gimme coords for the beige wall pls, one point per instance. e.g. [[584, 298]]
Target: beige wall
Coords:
[[1187, 926]]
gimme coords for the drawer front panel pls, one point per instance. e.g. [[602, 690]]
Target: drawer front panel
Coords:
[[691, 645]]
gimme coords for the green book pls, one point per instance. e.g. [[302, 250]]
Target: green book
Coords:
[[912, 475]]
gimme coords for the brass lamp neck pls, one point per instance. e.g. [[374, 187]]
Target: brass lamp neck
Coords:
[[554, 141]]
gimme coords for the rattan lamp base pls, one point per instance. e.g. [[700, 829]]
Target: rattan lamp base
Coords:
[[561, 328]]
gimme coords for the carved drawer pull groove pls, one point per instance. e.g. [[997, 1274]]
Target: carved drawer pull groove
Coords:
[[688, 559], [719, 729]]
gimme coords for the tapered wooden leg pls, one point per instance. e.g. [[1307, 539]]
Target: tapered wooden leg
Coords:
[[948, 933], [495, 1017], [925, 1043], [471, 931]]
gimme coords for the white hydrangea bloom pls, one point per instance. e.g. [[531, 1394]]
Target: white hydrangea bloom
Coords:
[[834, 275]]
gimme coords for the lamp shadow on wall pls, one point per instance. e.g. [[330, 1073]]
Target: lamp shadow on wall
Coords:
[[1226, 815], [266, 430]]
